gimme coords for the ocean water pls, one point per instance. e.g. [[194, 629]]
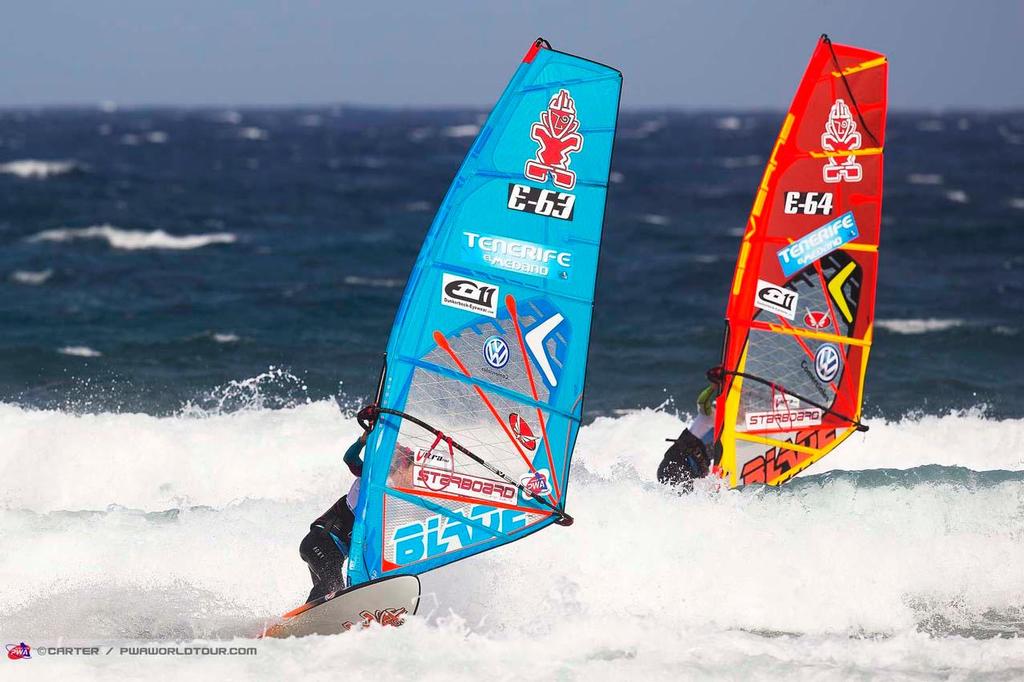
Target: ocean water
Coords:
[[182, 292]]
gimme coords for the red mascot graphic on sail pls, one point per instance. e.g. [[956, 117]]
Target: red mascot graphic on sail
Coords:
[[557, 136], [841, 136]]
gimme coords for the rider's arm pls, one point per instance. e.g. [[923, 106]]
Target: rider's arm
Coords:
[[706, 400], [703, 425], [355, 464]]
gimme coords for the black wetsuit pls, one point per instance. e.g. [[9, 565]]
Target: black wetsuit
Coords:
[[320, 548], [688, 457], [684, 461]]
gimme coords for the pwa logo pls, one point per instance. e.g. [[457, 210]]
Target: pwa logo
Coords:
[[18, 652], [557, 136], [440, 534], [393, 617], [536, 483], [841, 136]]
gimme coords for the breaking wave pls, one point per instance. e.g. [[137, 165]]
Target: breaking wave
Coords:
[[903, 559], [80, 352], [898, 557], [907, 558], [916, 326], [925, 179], [34, 168], [375, 282], [132, 240], [31, 277], [460, 131]]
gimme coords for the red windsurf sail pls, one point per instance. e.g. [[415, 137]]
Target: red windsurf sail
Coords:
[[801, 308]]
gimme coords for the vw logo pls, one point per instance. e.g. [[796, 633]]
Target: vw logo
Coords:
[[496, 352], [827, 362]]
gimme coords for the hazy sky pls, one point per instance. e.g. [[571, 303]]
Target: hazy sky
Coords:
[[733, 53]]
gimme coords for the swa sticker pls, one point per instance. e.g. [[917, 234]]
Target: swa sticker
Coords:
[[817, 243]]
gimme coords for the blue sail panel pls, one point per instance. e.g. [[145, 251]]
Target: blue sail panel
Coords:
[[490, 342]]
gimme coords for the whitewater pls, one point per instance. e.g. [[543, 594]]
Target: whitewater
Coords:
[[899, 556]]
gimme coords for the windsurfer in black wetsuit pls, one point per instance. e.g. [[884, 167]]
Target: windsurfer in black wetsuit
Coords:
[[326, 545], [689, 457]]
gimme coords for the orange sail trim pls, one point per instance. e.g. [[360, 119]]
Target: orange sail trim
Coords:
[[802, 303]]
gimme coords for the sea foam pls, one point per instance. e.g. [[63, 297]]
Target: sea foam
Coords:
[[918, 326], [31, 277], [186, 528], [34, 168], [133, 240]]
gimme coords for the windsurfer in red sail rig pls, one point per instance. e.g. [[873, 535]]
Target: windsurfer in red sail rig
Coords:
[[690, 455]]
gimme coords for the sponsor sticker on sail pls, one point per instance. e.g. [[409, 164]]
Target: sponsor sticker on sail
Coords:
[[816, 319], [783, 420], [557, 136], [522, 431], [469, 294], [776, 299], [463, 485], [537, 483], [827, 362], [519, 256], [841, 136], [817, 243]]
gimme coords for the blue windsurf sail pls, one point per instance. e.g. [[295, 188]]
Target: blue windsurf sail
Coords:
[[481, 395]]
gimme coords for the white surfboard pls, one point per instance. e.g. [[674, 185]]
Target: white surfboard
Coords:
[[386, 602]]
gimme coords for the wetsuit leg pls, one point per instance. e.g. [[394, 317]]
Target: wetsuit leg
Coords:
[[324, 560]]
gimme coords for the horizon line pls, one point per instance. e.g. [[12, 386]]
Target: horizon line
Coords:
[[111, 107]]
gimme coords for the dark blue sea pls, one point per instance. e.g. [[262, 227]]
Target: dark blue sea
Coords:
[[153, 259], [182, 293]]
